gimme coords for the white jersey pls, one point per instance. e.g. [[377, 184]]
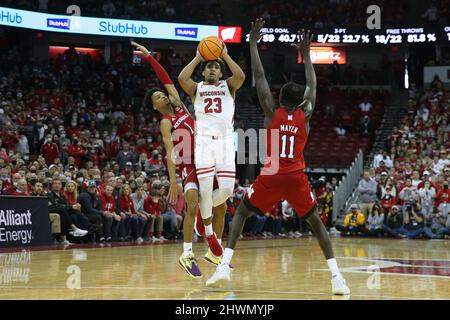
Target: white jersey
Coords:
[[214, 109]]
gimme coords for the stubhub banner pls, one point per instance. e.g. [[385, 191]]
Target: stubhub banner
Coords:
[[105, 27]]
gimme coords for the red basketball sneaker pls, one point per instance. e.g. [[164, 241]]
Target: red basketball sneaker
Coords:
[[199, 227], [214, 245]]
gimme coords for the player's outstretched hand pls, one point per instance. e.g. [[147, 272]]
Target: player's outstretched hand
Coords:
[[141, 48], [255, 32], [174, 190], [304, 42]]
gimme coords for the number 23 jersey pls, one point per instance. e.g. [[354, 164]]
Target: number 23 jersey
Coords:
[[214, 109]]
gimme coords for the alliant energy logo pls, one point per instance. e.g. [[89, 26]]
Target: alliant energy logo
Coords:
[[9, 218], [186, 32], [63, 24]]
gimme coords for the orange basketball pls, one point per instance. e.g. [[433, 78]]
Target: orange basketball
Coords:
[[210, 48]]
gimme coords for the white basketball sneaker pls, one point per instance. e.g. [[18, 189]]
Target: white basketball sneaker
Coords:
[[338, 285], [78, 232], [220, 277]]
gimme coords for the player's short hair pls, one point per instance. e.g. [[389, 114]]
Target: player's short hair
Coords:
[[291, 95], [147, 103], [219, 61]]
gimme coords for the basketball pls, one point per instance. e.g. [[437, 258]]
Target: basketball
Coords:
[[210, 48]]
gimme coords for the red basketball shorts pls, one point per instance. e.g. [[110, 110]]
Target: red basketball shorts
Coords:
[[267, 190]]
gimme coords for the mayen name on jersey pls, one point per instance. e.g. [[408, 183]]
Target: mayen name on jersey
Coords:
[[288, 128], [212, 93]]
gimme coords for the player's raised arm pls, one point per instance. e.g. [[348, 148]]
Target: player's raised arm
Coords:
[[238, 77], [262, 87], [304, 46], [166, 132], [185, 77], [162, 75]]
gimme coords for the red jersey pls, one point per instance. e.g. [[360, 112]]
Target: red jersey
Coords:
[[291, 141], [183, 128], [108, 203]]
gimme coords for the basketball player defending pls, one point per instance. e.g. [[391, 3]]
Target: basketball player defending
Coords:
[[283, 175], [177, 124], [213, 100]]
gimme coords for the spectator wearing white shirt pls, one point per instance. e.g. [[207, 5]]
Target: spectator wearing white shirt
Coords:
[[22, 146], [427, 194], [408, 194], [382, 156], [415, 179], [365, 106], [442, 163]]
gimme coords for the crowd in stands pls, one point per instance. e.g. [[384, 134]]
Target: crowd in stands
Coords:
[[326, 14], [190, 11], [406, 191]]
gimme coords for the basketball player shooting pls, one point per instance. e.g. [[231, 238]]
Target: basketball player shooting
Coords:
[[176, 121], [213, 100], [291, 121]]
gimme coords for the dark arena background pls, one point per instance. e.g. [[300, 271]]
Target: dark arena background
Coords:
[[89, 206]]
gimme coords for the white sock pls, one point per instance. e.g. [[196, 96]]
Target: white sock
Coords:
[[187, 247], [332, 264], [227, 255], [208, 230]]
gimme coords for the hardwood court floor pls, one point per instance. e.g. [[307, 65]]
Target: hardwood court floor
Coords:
[[264, 269]]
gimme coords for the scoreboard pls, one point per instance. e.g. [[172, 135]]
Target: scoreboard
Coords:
[[350, 36]]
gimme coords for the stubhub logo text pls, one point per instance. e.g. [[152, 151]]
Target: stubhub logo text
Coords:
[[123, 28], [58, 23], [186, 32], [10, 17]]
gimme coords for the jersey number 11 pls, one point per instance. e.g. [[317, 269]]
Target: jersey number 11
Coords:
[[284, 141]]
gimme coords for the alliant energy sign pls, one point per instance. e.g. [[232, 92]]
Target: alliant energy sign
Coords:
[[24, 221]]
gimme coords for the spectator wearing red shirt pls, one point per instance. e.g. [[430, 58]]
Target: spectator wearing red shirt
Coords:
[[76, 151], [443, 199], [273, 222], [111, 219], [142, 147], [126, 205], [155, 220], [50, 151], [73, 130], [21, 188]]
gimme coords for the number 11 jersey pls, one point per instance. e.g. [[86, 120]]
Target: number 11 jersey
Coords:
[[214, 109], [288, 144]]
